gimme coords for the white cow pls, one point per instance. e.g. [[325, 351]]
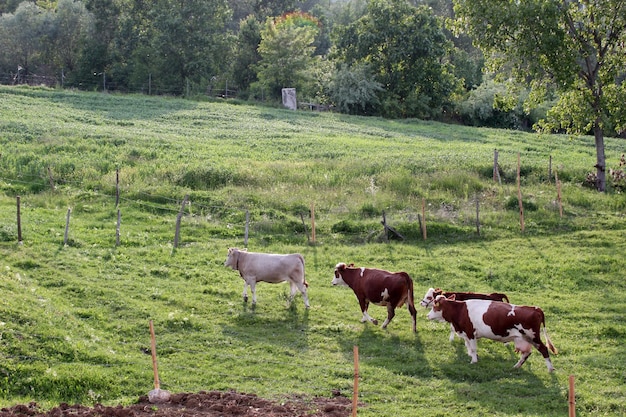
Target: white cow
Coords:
[[267, 267]]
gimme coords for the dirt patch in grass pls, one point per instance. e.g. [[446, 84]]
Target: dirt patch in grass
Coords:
[[201, 404]]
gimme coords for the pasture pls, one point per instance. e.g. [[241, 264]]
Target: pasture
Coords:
[[74, 317]]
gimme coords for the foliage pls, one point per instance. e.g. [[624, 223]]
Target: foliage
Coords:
[[573, 46], [405, 48], [246, 53], [354, 89], [286, 51], [485, 106]]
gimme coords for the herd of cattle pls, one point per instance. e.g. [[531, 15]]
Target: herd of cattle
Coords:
[[471, 315]]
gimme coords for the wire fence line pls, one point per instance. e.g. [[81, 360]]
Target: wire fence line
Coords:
[[380, 226], [100, 82]]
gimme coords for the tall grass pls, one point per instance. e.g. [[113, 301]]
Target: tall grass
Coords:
[[74, 318]]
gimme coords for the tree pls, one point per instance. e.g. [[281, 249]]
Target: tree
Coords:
[[353, 89], [188, 42], [23, 34], [246, 53], [286, 51], [72, 23], [406, 49], [576, 47]]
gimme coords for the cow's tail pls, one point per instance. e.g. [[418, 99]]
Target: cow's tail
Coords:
[[548, 341], [409, 284], [306, 284]]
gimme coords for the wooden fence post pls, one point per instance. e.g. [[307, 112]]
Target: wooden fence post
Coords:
[[117, 228], [519, 193], [386, 229], [572, 397], [496, 170], [19, 222], [67, 226], [117, 187], [355, 392], [178, 218]]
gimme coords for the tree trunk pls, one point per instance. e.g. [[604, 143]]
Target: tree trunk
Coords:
[[598, 133]]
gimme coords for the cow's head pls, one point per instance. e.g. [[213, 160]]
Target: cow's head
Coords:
[[232, 259], [436, 313], [338, 279], [430, 296]]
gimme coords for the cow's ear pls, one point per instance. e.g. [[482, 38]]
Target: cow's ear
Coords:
[[351, 265], [452, 297]]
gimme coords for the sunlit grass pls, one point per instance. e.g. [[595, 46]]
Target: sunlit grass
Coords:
[[74, 318]]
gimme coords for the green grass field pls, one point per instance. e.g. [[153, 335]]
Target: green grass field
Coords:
[[74, 317]]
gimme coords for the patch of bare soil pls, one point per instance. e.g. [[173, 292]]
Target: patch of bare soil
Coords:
[[201, 404]]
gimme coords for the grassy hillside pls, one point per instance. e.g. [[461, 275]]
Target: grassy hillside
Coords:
[[74, 317]]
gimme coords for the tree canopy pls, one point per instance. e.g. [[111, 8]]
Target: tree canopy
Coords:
[[576, 48], [406, 49]]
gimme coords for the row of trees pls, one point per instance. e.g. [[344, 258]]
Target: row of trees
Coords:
[[390, 58], [395, 58]]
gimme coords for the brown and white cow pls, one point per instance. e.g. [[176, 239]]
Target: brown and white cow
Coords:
[[267, 267], [474, 319], [432, 293], [383, 288]]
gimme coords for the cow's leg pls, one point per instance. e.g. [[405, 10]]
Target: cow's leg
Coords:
[[302, 289], [253, 290], [452, 332], [522, 359], [245, 291], [543, 349], [472, 349], [294, 289], [366, 317], [391, 311]]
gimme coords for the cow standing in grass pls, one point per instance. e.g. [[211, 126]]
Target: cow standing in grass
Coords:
[[495, 320], [268, 267], [432, 293], [383, 288]]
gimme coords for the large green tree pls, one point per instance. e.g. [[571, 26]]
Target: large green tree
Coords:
[[286, 51], [407, 51], [576, 47], [246, 54], [188, 42], [23, 36]]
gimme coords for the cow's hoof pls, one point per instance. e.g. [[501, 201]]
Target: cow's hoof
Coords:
[[245, 299], [375, 322]]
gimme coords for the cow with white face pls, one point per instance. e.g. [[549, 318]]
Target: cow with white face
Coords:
[[383, 288], [267, 267], [504, 322]]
